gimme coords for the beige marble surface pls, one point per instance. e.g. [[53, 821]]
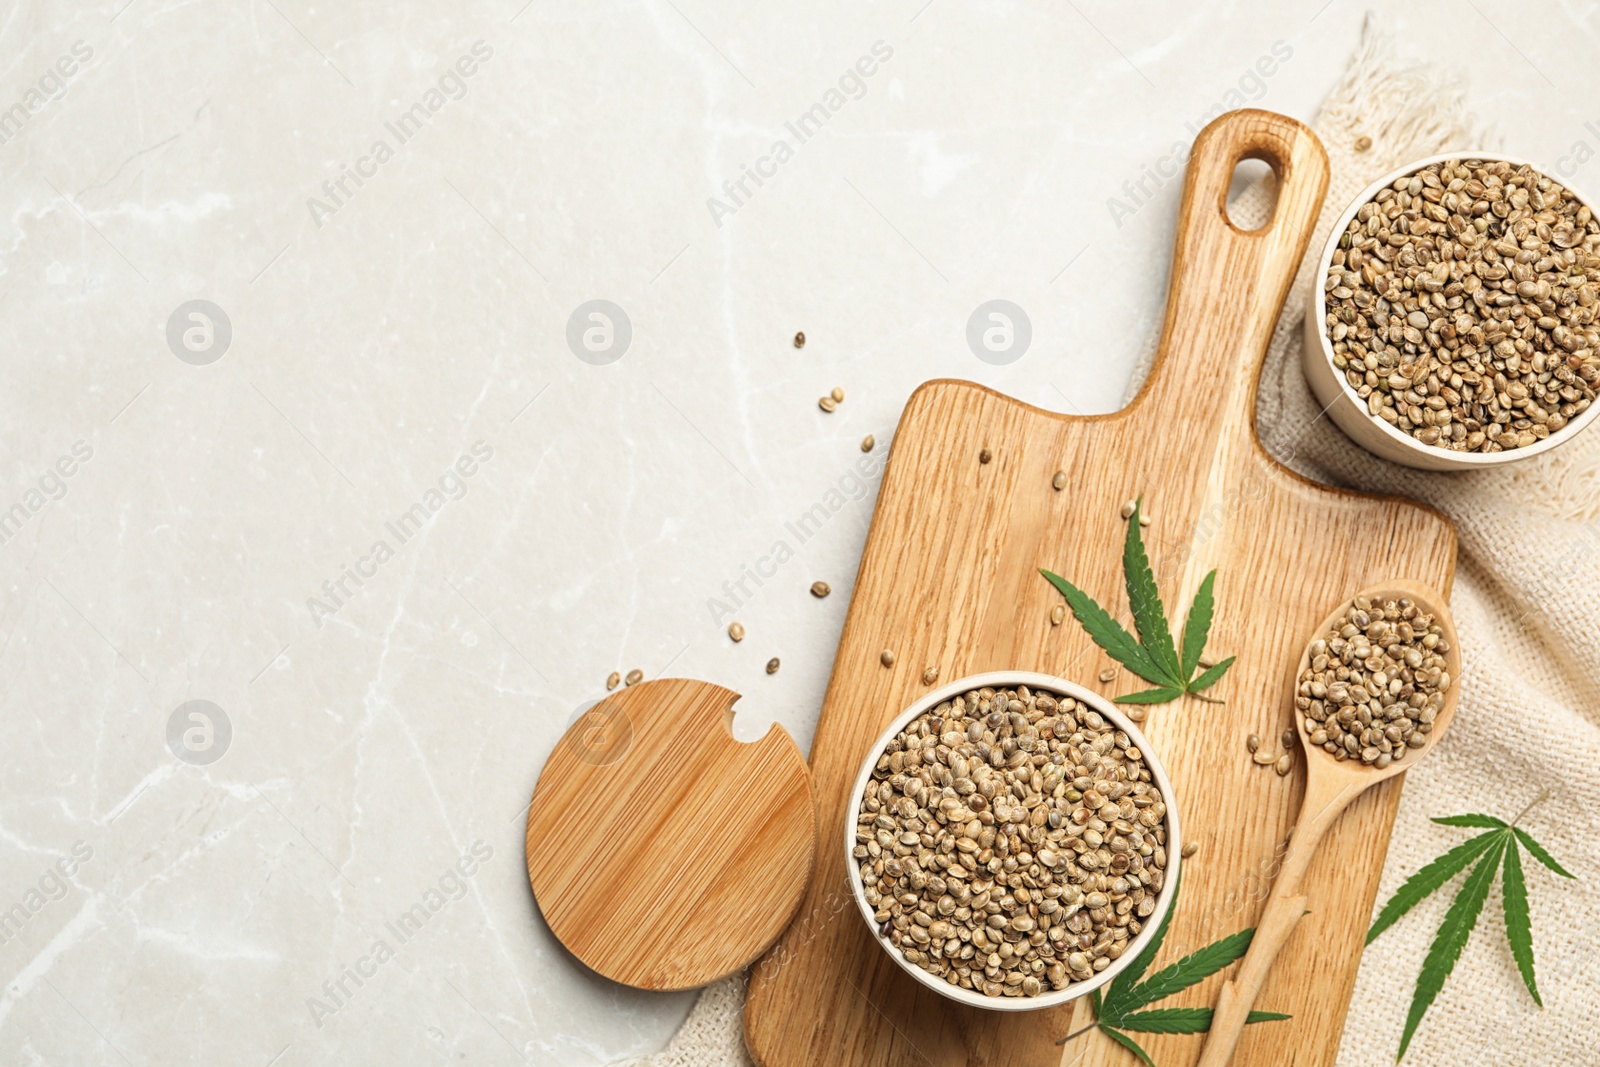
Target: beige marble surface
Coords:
[[170, 513]]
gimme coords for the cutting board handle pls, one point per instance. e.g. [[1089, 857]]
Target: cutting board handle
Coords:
[[1228, 284]]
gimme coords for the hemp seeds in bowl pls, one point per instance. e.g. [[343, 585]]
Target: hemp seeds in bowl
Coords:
[[1452, 324], [1010, 840]]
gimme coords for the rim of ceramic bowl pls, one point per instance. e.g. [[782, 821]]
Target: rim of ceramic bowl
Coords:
[[1158, 774], [1320, 297]]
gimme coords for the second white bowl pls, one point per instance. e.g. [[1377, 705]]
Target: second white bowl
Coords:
[[1158, 775], [1349, 411]]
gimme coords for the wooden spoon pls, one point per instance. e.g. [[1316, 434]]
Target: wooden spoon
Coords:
[[1330, 787]]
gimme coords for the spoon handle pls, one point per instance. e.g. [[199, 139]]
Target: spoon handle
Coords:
[[1325, 798]]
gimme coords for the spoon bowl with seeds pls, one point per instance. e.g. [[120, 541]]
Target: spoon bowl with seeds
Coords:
[[1374, 691]]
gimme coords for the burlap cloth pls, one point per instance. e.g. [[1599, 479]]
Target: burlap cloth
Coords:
[[1527, 606]]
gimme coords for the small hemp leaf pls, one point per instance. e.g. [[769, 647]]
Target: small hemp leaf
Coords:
[[1125, 1005], [1497, 849], [1153, 655]]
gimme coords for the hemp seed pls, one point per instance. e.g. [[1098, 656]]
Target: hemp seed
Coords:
[[828, 403], [1058, 614], [867, 442], [772, 665], [1375, 682], [613, 680], [800, 339], [634, 677], [930, 675], [1008, 874], [1461, 305], [1059, 482], [985, 456], [1190, 849], [736, 631], [820, 589], [838, 395], [1109, 674], [886, 657]]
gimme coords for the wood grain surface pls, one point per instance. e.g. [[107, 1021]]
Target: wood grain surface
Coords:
[[949, 578], [662, 852]]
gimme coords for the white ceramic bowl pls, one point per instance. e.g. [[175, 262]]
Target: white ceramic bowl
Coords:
[[1349, 411], [1158, 775]]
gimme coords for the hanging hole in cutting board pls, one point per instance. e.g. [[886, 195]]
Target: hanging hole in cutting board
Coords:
[[1252, 194]]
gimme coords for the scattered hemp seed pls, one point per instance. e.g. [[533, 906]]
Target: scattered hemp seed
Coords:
[[1127, 510], [1252, 742], [1058, 614], [1136, 713], [1460, 306], [1144, 519], [820, 589], [1265, 757], [828, 403], [1027, 872], [1285, 761], [886, 657], [1190, 849], [736, 631], [1363, 143], [800, 339], [838, 395], [634, 677], [1207, 662], [613, 680], [930, 676], [867, 442], [1289, 737], [985, 456], [772, 665], [1109, 674], [1059, 482]]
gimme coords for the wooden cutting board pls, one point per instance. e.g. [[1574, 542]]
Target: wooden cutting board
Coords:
[[949, 578]]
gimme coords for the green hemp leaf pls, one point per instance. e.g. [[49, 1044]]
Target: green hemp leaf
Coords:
[[1496, 849], [1125, 1006], [1152, 656]]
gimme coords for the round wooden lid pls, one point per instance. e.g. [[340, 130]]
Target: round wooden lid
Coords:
[[664, 853]]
